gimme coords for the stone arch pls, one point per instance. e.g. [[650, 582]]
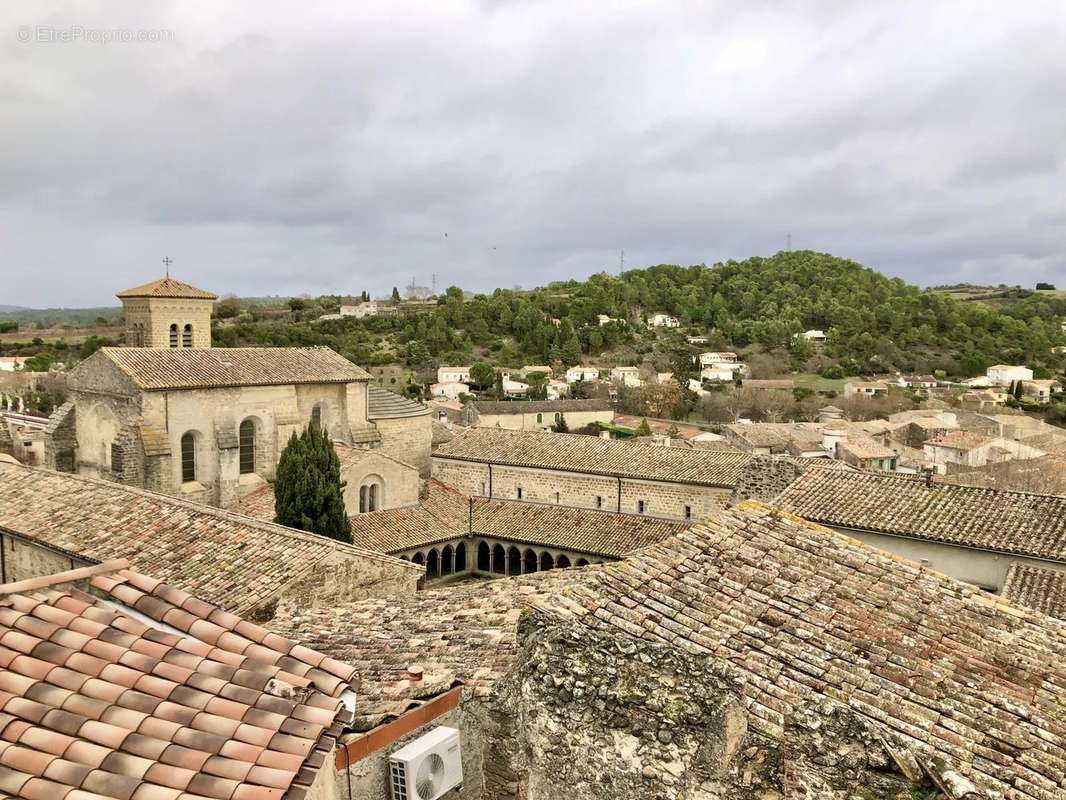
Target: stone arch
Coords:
[[371, 493], [460, 557], [529, 562], [174, 335], [447, 560], [186, 335], [417, 558], [432, 563], [484, 557], [499, 559], [547, 561], [582, 562], [562, 562], [514, 561]]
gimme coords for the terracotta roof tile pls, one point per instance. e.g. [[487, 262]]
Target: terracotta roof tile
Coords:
[[595, 456], [167, 287], [107, 720], [383, 404], [446, 513], [154, 369], [907, 505], [1042, 589], [231, 560]]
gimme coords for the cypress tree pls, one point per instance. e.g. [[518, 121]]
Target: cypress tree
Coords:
[[308, 489]]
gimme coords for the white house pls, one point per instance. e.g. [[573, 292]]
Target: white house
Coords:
[[575, 374], [368, 308], [451, 389], [603, 319], [627, 376], [1041, 390], [12, 363], [718, 373], [1006, 374], [697, 339], [815, 336], [453, 375], [724, 357], [916, 381], [557, 389], [515, 388], [663, 321], [865, 389]]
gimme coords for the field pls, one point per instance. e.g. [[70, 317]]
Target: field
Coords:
[[815, 382]]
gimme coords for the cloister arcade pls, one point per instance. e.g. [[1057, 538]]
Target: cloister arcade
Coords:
[[485, 555]]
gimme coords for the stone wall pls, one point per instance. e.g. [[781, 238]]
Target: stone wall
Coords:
[[581, 490], [399, 481], [765, 477], [60, 438], [529, 422], [148, 320], [408, 439], [23, 560]]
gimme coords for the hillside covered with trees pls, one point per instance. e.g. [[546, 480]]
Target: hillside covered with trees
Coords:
[[874, 323]]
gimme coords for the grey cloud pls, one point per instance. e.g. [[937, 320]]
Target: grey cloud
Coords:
[[270, 149]]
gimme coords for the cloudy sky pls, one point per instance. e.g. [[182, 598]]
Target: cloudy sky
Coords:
[[281, 148]]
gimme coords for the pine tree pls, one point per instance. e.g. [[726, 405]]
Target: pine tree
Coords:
[[308, 491], [395, 295], [560, 426], [643, 429]]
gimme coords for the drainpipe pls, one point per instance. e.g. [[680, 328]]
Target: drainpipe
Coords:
[[619, 494], [490, 481], [470, 519]]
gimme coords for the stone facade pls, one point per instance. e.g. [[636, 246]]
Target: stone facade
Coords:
[[408, 439], [162, 322], [664, 499], [397, 484]]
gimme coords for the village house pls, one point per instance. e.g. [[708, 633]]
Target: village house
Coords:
[[575, 374], [367, 308], [1006, 374], [537, 415], [513, 388], [865, 452], [12, 363], [556, 390], [971, 449], [1040, 390], [917, 381], [716, 357], [814, 336], [970, 533], [453, 374], [589, 472], [718, 373], [865, 389], [770, 385], [452, 390], [544, 369], [627, 376], [663, 321], [50, 521], [603, 319], [699, 339]]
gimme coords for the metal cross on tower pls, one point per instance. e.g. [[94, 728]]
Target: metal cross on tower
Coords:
[[167, 261]]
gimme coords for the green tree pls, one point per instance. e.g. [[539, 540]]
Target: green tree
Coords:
[[643, 429], [560, 426], [308, 490], [538, 386], [395, 295], [482, 374]]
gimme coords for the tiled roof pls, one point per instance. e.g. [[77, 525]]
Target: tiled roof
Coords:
[[180, 368], [801, 612], [940, 666], [383, 404], [596, 456], [446, 513], [167, 287], [1042, 589], [495, 407], [862, 446], [463, 633], [228, 559], [96, 703], [907, 505]]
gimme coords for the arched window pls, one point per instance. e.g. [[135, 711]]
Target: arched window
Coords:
[[460, 557], [529, 562], [563, 562], [188, 458], [514, 561], [546, 561], [499, 559], [540, 418], [432, 564], [186, 336], [316, 416], [174, 335], [581, 562], [447, 560], [246, 439], [558, 416], [484, 560], [371, 495]]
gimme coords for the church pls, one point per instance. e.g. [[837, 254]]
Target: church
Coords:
[[171, 414]]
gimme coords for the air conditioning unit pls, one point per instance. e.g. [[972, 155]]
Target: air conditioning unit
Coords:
[[428, 767]]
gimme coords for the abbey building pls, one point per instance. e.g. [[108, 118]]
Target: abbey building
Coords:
[[172, 414]]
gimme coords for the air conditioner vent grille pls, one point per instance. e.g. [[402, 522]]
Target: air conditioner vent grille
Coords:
[[399, 780]]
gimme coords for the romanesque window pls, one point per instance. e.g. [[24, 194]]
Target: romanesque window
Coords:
[[174, 335], [556, 497], [316, 416], [599, 501], [188, 458], [369, 497], [688, 512], [246, 440], [519, 492], [116, 459], [540, 418], [186, 336], [640, 506]]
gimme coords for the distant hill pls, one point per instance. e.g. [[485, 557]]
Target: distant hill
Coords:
[[12, 308]]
